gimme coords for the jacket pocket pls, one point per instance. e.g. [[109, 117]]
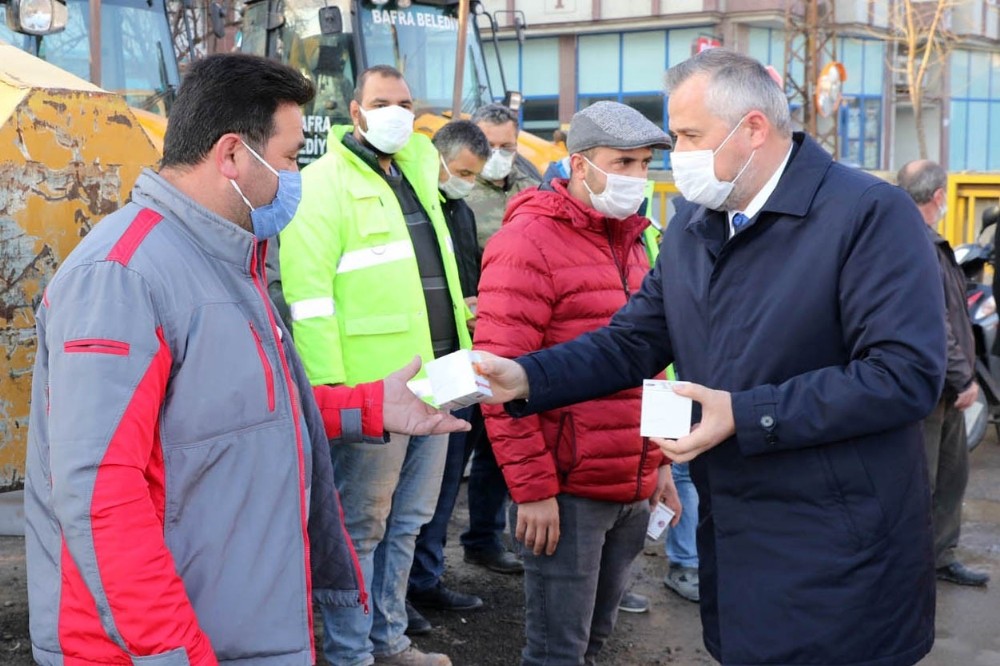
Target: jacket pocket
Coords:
[[565, 445], [853, 491], [268, 370], [377, 325], [96, 346]]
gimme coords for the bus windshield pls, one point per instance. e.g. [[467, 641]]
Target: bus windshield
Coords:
[[137, 51], [420, 41]]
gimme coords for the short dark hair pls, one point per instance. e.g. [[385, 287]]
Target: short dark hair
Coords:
[[921, 179], [382, 70], [494, 114], [229, 92], [458, 134]]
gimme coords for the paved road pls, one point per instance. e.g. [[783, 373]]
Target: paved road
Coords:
[[968, 620]]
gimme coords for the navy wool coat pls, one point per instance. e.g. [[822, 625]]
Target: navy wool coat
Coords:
[[824, 319]]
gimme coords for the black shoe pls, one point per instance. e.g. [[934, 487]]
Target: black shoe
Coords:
[[502, 561], [440, 597], [957, 573], [416, 624]]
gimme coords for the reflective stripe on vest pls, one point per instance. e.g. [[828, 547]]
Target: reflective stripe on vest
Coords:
[[375, 256], [311, 308]]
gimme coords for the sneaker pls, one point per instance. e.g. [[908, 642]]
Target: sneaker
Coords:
[[958, 573], [416, 624], [440, 597], [501, 561], [633, 603], [411, 656], [683, 581]]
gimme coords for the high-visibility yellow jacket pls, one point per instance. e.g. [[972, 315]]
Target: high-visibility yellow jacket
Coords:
[[349, 272]]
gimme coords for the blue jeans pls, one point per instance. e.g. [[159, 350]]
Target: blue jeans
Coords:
[[428, 557], [571, 597], [681, 547], [388, 493], [487, 493]]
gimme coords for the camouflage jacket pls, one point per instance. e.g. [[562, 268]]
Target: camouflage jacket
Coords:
[[489, 202]]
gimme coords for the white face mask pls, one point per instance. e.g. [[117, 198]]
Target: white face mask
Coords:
[[455, 187], [694, 175], [621, 197], [499, 164], [389, 128]]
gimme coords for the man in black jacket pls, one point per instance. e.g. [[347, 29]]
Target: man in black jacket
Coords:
[[464, 150], [944, 429]]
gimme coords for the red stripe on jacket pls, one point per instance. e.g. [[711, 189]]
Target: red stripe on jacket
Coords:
[[137, 230], [149, 606]]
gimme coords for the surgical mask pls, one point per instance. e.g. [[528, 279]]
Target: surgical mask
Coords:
[[269, 220], [389, 128], [499, 165], [621, 197], [942, 211], [694, 175], [455, 187]]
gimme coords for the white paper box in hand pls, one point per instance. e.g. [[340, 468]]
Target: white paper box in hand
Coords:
[[664, 413], [659, 519], [455, 382]]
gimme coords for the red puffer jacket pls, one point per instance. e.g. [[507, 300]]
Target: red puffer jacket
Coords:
[[556, 269]]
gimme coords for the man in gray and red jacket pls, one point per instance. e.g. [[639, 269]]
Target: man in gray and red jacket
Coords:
[[179, 496]]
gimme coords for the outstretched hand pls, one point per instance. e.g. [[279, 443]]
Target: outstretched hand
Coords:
[[716, 426], [508, 381], [405, 413]]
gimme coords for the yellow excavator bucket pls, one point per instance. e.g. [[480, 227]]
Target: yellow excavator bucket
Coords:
[[69, 155]]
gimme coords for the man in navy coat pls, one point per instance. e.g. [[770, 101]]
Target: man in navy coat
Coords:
[[800, 299]]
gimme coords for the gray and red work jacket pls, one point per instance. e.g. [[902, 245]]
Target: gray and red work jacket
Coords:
[[179, 492]]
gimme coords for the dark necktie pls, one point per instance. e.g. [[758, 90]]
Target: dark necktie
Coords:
[[739, 221]]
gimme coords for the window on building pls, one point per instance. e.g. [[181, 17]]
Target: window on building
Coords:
[[629, 68], [532, 69], [974, 130], [861, 109]]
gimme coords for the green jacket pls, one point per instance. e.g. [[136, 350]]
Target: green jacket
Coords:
[[349, 273]]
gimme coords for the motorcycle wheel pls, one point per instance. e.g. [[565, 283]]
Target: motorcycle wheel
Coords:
[[977, 419]]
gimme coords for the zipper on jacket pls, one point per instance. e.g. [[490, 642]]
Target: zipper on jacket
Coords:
[[618, 266], [268, 371], [638, 475]]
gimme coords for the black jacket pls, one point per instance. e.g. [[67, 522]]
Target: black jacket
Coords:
[[462, 226], [822, 318], [961, 343]]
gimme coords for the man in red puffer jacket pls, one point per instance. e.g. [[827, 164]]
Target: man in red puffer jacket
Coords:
[[568, 256]]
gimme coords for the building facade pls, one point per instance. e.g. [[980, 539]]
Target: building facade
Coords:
[[576, 52]]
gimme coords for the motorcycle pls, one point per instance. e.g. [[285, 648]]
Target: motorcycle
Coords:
[[973, 258]]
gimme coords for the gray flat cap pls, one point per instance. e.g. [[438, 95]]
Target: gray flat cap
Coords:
[[613, 125]]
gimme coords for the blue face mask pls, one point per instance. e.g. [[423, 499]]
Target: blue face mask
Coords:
[[269, 220]]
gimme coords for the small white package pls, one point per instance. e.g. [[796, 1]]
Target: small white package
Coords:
[[455, 382], [659, 519], [664, 413]]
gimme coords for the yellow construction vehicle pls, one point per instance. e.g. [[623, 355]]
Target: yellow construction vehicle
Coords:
[[69, 154], [123, 46], [330, 41]]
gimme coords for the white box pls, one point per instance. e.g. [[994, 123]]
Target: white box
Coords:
[[664, 413], [659, 519], [455, 382]]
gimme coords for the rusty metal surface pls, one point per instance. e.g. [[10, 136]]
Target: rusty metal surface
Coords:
[[68, 157]]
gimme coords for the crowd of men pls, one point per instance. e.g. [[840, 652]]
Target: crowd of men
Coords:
[[206, 467]]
